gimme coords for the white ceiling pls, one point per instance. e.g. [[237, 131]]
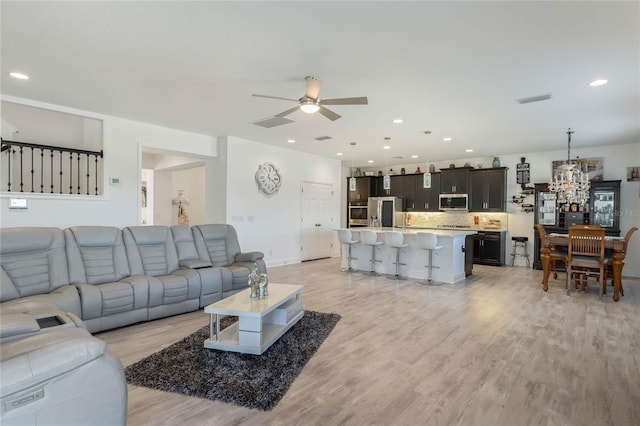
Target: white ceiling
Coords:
[[453, 68]]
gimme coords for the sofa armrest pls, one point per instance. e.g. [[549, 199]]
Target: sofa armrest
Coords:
[[195, 264], [17, 324], [250, 256], [37, 359]]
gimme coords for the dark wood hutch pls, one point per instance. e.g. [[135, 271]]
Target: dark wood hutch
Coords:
[[603, 208]]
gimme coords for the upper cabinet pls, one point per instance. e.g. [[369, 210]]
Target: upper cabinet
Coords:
[[454, 180], [366, 186], [488, 190]]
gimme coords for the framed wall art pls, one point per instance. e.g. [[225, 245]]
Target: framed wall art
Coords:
[[593, 166]]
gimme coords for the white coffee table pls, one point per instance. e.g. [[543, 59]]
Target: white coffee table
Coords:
[[260, 322]]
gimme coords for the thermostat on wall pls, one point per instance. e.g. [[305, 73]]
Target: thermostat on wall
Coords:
[[114, 180], [18, 203]]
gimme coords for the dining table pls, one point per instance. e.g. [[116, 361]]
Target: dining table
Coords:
[[549, 242]]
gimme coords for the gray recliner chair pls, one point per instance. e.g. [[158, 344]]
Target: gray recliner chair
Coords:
[[188, 258], [34, 271], [219, 244], [151, 251], [98, 267], [61, 377]]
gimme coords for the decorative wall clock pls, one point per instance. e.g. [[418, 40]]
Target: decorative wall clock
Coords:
[[268, 178]]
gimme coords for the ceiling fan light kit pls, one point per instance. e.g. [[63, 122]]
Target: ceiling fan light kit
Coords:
[[309, 106], [310, 103]]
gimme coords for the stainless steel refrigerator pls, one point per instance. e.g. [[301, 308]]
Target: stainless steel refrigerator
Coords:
[[385, 212]]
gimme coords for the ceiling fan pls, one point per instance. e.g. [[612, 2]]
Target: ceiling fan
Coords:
[[311, 103]]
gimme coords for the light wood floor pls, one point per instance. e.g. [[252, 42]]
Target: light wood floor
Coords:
[[494, 350]]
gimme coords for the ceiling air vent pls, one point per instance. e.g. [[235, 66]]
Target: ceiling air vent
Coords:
[[272, 122], [538, 98], [323, 138]]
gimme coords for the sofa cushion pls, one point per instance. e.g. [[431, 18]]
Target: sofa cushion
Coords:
[[218, 242], [33, 262], [96, 254], [150, 250]]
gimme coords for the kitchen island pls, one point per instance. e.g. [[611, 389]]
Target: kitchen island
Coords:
[[448, 262]]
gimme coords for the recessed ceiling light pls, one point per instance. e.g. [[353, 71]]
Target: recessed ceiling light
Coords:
[[386, 147], [338, 153], [446, 139], [595, 83], [369, 161], [291, 140], [414, 156], [19, 75], [398, 121], [468, 150]]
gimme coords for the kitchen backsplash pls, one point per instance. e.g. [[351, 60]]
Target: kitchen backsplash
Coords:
[[458, 219]]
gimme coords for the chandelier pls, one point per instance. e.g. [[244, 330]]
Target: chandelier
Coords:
[[569, 182]]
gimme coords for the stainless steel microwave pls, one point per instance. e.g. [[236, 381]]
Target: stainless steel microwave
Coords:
[[458, 202]]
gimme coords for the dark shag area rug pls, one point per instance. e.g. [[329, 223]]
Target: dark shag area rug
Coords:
[[254, 381]]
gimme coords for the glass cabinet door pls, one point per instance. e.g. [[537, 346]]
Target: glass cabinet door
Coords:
[[603, 210], [546, 208]]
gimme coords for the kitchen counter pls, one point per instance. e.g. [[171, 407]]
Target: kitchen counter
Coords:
[[448, 262]]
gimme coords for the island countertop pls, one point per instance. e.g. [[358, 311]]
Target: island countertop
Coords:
[[449, 261], [410, 231]]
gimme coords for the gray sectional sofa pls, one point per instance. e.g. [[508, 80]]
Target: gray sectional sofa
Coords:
[[111, 277], [59, 285]]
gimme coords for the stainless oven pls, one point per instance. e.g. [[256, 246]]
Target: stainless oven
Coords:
[[358, 215]]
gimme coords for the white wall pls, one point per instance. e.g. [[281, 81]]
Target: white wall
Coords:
[[271, 223], [120, 205]]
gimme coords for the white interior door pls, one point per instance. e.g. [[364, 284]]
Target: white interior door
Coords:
[[316, 236]]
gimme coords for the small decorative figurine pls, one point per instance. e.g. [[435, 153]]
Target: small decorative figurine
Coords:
[[258, 283]]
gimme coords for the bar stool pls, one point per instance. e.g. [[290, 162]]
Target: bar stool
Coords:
[[522, 243], [370, 238], [345, 237], [428, 241], [395, 240]]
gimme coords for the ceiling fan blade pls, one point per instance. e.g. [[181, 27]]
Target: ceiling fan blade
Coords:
[[275, 97], [287, 112], [313, 87], [328, 113], [346, 101]]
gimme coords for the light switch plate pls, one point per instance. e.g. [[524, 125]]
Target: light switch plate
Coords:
[[18, 203]]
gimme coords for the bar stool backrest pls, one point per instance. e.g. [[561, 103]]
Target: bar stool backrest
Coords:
[[427, 241], [394, 239], [344, 236], [368, 236]]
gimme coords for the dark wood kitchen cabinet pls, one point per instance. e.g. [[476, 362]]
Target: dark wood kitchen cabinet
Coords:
[[488, 190], [416, 197], [489, 248], [366, 186], [454, 180]]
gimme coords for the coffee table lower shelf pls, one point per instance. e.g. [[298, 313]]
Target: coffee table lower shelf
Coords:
[[230, 337]]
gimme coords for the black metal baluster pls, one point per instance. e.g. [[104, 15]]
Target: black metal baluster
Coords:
[[10, 152], [41, 170], [71, 173], [96, 175], [78, 173], [87, 174], [32, 171], [21, 173], [51, 170], [60, 172]]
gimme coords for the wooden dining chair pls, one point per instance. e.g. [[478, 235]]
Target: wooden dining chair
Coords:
[[627, 237], [586, 256], [558, 256]]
